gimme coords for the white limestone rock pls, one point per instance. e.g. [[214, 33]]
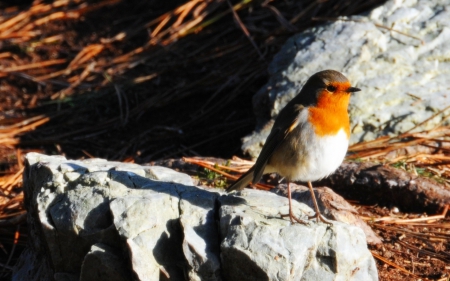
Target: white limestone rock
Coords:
[[111, 223], [147, 222], [105, 261], [166, 174], [259, 245], [201, 236], [332, 206]]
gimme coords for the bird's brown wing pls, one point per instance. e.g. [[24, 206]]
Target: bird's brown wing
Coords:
[[285, 123]]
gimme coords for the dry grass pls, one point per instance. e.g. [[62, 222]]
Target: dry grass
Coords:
[[108, 68], [423, 153]]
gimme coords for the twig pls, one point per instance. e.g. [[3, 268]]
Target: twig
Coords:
[[84, 55], [227, 175], [377, 25], [421, 123], [279, 16], [388, 262], [409, 221], [33, 65], [16, 240], [244, 29]]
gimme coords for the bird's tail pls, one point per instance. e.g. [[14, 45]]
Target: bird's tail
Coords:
[[242, 182]]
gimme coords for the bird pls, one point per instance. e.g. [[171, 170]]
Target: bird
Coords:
[[309, 138]]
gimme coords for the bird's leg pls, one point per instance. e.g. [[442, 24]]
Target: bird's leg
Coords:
[[318, 215], [291, 215]]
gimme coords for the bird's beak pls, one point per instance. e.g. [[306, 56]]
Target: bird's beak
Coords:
[[353, 89]]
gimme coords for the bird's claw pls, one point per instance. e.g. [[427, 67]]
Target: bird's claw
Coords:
[[294, 219], [321, 218]]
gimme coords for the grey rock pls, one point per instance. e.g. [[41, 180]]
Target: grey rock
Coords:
[[110, 223], [403, 81], [201, 239], [331, 205], [258, 245], [111, 204], [103, 262], [147, 223], [166, 174]]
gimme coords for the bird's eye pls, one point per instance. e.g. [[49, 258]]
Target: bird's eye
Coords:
[[331, 88]]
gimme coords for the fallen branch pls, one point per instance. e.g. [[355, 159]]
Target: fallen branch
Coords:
[[371, 183]]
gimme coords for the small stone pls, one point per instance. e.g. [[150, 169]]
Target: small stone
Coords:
[[71, 176], [168, 175], [105, 262]]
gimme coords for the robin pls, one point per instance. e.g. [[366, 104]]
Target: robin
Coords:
[[309, 138]]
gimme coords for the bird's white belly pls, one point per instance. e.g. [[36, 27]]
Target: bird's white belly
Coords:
[[317, 157], [323, 156]]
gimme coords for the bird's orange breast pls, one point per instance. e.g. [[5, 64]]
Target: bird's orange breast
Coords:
[[330, 114]]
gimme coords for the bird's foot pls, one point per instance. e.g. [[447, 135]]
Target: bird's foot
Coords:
[[321, 218], [293, 218]]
